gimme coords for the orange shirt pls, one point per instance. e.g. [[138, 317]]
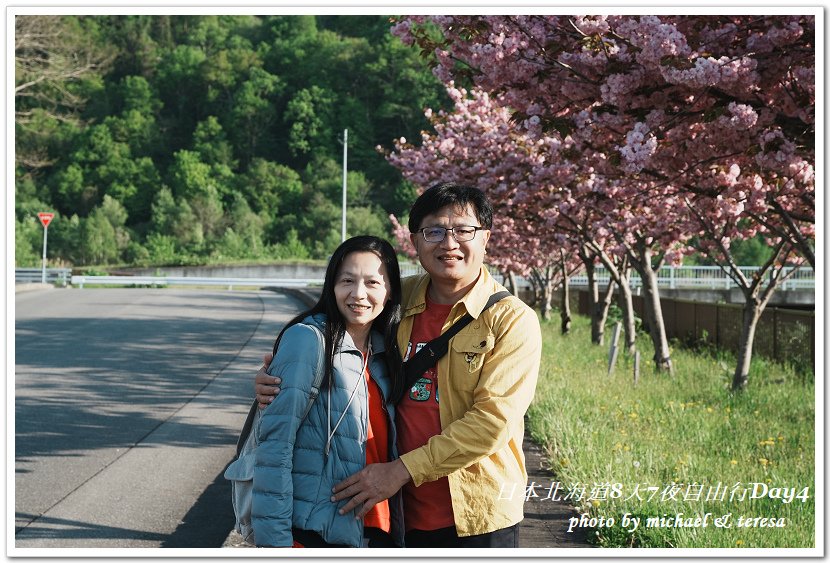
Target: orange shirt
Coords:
[[377, 450], [429, 506]]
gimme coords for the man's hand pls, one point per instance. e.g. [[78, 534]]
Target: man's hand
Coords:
[[266, 385], [370, 485]]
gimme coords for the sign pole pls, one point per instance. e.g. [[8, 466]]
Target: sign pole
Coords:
[[45, 219], [43, 269]]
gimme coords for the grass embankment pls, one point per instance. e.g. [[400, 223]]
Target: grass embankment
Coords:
[[686, 435]]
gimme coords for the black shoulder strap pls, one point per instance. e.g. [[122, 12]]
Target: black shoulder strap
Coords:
[[435, 349]]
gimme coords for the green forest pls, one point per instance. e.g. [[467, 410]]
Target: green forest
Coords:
[[160, 140]]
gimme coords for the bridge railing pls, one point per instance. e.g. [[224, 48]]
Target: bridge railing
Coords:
[[163, 281]]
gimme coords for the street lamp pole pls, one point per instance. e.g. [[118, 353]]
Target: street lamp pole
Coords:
[[345, 153]]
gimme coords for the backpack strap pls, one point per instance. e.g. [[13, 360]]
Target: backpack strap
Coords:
[[318, 373], [435, 349], [254, 412]]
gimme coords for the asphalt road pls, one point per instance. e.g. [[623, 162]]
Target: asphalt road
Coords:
[[128, 403]]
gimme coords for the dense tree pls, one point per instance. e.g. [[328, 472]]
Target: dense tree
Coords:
[[211, 143], [306, 116], [53, 56], [189, 112]]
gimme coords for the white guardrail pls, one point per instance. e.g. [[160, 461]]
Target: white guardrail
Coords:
[[59, 276], [682, 277], [668, 277], [161, 281], [702, 277]]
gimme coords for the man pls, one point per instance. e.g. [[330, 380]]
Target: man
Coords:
[[461, 426]]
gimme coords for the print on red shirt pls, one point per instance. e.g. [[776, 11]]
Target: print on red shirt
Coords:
[[428, 506]]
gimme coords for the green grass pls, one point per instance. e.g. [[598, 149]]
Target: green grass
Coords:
[[687, 430]]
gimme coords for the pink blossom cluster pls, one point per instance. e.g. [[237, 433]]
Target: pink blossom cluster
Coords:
[[640, 144], [654, 38]]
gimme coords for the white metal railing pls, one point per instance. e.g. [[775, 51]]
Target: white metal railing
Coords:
[[35, 275], [681, 277], [161, 281], [410, 269], [701, 277]]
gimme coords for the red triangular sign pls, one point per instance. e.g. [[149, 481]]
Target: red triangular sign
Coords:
[[45, 218]]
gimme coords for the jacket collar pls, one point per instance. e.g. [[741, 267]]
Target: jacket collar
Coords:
[[375, 337], [474, 300]]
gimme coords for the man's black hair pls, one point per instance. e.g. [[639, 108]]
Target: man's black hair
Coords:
[[449, 193]]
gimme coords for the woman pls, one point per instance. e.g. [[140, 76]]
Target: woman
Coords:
[[350, 424]]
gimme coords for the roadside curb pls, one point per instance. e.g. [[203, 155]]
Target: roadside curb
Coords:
[[308, 297], [546, 520]]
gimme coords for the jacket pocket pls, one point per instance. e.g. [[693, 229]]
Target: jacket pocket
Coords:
[[241, 475], [469, 350]]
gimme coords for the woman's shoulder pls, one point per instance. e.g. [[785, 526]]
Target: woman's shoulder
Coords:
[[303, 334]]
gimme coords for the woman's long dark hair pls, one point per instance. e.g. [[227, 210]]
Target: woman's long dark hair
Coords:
[[386, 323]]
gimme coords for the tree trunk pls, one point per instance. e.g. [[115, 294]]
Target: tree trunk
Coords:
[[593, 299], [533, 297], [602, 307], [514, 286], [756, 297], [565, 308], [547, 294], [509, 281], [621, 273], [627, 306], [751, 314], [654, 312]]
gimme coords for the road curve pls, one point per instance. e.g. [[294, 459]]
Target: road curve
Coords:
[[127, 407]]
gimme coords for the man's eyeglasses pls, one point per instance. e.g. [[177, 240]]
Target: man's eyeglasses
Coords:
[[461, 234]]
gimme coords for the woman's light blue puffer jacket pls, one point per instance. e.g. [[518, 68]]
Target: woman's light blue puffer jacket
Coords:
[[293, 476]]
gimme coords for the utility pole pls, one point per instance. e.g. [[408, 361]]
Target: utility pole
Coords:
[[345, 154]]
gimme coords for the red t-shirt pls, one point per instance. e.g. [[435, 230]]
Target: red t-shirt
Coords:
[[429, 506], [377, 451]]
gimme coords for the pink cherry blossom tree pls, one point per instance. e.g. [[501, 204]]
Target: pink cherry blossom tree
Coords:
[[732, 218], [533, 188], [655, 106]]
